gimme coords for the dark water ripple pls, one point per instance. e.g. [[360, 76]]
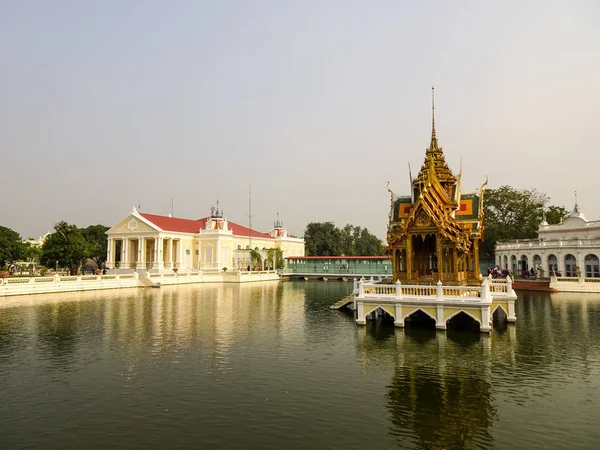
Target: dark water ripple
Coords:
[[270, 366]]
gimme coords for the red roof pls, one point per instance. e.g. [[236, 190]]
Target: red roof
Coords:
[[194, 226], [338, 257]]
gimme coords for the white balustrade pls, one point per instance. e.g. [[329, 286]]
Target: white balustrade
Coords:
[[398, 291]]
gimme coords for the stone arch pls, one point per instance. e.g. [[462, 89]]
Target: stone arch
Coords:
[[523, 263], [452, 313], [513, 263], [570, 265], [371, 311], [505, 267], [552, 264], [537, 261], [463, 319], [421, 315], [499, 312], [592, 266]]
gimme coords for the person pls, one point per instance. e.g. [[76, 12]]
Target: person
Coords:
[[248, 268], [104, 271], [532, 272]]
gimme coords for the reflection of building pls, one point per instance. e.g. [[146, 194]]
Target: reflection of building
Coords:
[[570, 249], [156, 242], [434, 233], [434, 399]]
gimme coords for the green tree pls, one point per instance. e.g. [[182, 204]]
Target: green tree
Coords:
[[556, 214], [325, 239], [255, 259], [367, 244], [31, 252], [11, 246], [514, 214], [270, 257], [279, 262], [96, 240], [322, 239], [66, 247]]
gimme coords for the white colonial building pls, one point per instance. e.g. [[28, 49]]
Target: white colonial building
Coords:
[[143, 241], [570, 249]]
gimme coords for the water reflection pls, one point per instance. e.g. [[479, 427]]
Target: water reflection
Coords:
[[440, 394], [262, 358]]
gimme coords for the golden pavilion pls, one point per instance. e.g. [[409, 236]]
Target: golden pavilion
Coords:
[[434, 233]]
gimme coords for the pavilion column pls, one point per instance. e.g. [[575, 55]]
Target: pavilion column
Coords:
[[218, 261], [476, 272], [440, 255], [409, 255], [170, 252], [454, 264]]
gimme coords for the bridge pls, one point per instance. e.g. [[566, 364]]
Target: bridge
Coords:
[[337, 267], [439, 304]]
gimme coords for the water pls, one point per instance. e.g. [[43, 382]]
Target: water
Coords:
[[269, 366]]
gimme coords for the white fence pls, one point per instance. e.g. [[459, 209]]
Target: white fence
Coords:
[[45, 285], [489, 288]]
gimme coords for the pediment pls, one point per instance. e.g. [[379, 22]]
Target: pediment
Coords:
[[133, 224]]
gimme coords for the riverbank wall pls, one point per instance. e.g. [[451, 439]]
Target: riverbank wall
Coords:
[[53, 284]]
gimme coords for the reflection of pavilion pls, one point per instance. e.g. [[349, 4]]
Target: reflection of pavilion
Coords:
[[434, 399]]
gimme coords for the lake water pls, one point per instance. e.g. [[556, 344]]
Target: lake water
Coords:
[[270, 366]]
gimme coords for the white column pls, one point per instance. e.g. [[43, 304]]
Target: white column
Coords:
[[124, 255], [169, 258], [581, 263], [219, 265], [398, 322], [110, 254], [180, 252], [141, 253], [440, 323], [511, 311], [484, 326], [360, 316], [159, 253]]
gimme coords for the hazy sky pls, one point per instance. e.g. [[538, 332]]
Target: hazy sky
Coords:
[[109, 104]]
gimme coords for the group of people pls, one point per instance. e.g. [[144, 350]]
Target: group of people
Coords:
[[496, 272]]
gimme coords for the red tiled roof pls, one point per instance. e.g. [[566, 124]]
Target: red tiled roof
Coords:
[[194, 226], [337, 257]]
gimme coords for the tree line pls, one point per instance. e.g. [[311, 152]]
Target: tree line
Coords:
[[511, 213], [67, 247], [325, 239]]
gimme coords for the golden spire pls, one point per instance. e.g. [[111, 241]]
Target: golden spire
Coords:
[[433, 146]]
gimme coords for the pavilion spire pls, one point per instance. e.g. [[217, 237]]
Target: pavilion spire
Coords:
[[433, 146]]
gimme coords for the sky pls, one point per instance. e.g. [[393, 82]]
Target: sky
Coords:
[[106, 105]]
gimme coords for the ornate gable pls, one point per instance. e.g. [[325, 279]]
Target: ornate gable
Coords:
[[133, 224]]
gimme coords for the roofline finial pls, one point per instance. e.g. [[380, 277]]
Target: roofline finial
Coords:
[[433, 137]]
